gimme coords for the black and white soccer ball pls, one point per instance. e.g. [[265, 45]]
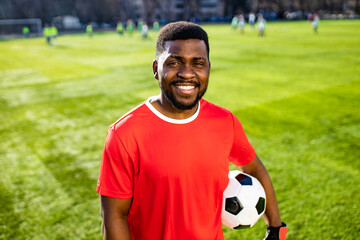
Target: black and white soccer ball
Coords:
[[244, 201]]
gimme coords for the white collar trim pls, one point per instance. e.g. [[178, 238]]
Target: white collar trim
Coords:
[[171, 120]]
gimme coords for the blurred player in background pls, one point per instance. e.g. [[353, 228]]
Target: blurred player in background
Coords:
[[156, 26], [26, 32], [144, 31], [54, 33], [252, 19], [242, 24], [89, 30], [47, 34], [140, 25], [234, 22], [130, 26], [120, 28], [315, 22], [261, 25]]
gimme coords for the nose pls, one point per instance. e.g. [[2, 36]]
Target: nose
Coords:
[[186, 72]]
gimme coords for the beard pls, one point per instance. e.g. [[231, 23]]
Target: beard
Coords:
[[183, 105]]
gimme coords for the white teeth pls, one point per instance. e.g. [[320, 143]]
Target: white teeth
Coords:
[[186, 87]]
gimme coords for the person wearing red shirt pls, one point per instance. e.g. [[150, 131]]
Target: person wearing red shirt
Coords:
[[165, 163]]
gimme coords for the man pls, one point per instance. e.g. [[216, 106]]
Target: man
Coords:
[[156, 26], [261, 25], [140, 25], [144, 31], [165, 164], [120, 28], [252, 19], [242, 24], [26, 32], [130, 26], [89, 30], [54, 33], [47, 34], [234, 22], [315, 22]]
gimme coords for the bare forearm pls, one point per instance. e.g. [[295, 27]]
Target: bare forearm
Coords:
[[271, 216], [114, 213], [258, 170], [115, 229]]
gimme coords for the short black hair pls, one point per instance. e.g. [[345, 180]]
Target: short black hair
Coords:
[[180, 31]]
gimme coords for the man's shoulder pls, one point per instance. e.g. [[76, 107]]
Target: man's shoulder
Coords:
[[132, 117], [212, 108]]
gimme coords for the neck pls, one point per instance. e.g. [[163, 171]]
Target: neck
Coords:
[[168, 110]]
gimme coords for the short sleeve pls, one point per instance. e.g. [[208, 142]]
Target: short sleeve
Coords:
[[116, 169], [242, 151]]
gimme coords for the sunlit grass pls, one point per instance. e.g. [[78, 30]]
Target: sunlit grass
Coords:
[[297, 94]]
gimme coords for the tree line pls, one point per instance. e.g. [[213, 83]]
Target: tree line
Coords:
[[110, 11]]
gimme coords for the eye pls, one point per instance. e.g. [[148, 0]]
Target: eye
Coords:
[[173, 63], [199, 64]]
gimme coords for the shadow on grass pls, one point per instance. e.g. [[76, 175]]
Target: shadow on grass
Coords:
[[73, 179], [9, 219]]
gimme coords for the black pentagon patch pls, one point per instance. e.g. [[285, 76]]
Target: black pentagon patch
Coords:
[[260, 206], [243, 179], [233, 205], [242, 226]]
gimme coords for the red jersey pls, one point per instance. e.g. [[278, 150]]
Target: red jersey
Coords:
[[175, 170]]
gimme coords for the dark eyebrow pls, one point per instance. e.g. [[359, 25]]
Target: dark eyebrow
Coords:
[[194, 59], [176, 57], [199, 58]]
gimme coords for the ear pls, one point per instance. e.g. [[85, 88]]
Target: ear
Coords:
[[155, 69]]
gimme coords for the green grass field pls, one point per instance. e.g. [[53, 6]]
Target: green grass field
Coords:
[[296, 93]]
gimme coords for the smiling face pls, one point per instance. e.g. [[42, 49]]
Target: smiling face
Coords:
[[183, 72]]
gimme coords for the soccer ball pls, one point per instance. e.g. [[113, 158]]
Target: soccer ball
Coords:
[[244, 201]]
